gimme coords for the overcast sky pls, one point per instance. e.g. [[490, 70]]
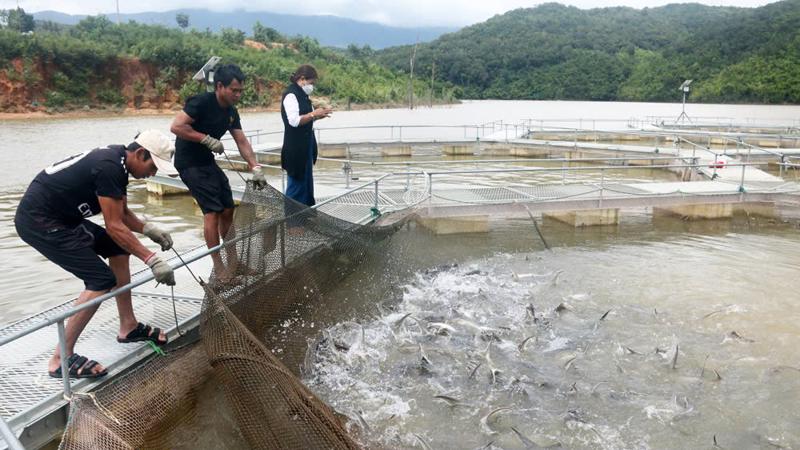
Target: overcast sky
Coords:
[[388, 12]]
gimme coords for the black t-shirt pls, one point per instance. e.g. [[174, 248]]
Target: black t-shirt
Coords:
[[65, 193], [209, 118]]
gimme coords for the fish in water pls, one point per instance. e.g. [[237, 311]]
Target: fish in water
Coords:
[[400, 321], [489, 419], [739, 337], [424, 361], [451, 401], [475, 370], [530, 312], [563, 306], [675, 356], [521, 345], [703, 370], [422, 441], [529, 444], [493, 371], [361, 422], [440, 328]]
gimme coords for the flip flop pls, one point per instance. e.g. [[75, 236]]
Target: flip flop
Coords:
[[77, 362], [141, 333]]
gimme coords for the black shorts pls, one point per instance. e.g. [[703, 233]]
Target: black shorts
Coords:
[[209, 186], [74, 249]]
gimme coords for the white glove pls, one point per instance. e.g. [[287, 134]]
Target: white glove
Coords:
[[158, 236], [259, 181], [162, 271], [213, 144]]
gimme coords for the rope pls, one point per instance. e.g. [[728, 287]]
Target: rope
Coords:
[[172, 291], [175, 311], [233, 168], [197, 279], [103, 410], [535, 225]]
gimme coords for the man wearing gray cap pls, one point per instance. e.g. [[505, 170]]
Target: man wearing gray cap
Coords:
[[52, 218]]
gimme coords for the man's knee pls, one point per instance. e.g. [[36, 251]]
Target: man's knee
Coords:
[[101, 282]]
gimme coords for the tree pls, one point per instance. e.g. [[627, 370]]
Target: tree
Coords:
[[265, 35], [17, 20], [232, 36], [182, 19]]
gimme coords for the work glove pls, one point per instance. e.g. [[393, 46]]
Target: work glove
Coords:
[[158, 236], [259, 181], [161, 270], [213, 144]]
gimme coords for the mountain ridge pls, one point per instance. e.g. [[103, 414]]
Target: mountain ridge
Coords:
[[329, 30]]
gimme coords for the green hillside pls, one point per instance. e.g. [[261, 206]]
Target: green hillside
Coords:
[[559, 52], [100, 63]]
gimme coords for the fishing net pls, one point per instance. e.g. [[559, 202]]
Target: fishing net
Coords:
[[279, 257]]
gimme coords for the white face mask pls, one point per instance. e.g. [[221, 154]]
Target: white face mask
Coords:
[[308, 88]]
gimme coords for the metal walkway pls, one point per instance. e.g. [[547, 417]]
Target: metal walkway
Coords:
[[33, 404], [32, 401]]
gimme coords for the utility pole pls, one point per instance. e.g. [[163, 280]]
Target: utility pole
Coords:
[[118, 12], [411, 78]]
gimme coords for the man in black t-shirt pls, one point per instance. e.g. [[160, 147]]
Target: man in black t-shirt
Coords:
[[52, 218], [204, 120]]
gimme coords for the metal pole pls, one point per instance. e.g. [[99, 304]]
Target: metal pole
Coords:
[[376, 194], [714, 172], [602, 186], [62, 345], [430, 184], [9, 436], [741, 183]]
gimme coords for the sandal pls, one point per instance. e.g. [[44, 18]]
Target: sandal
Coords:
[[79, 367], [141, 333]]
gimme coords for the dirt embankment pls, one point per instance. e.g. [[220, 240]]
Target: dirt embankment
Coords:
[[30, 89]]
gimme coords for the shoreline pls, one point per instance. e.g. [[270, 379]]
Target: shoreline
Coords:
[[104, 112], [133, 112]]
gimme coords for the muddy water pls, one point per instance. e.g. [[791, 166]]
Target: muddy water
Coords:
[[584, 382], [599, 373]]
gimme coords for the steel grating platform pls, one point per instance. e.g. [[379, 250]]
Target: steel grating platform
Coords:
[[27, 391]]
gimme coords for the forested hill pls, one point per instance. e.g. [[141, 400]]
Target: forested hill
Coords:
[[96, 63], [559, 52]]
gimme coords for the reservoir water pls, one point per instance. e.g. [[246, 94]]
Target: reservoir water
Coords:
[[656, 333]]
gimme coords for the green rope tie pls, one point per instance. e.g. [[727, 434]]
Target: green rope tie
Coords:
[[156, 349]]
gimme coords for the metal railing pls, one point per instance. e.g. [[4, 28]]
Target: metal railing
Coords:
[[59, 319], [401, 133], [602, 169]]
